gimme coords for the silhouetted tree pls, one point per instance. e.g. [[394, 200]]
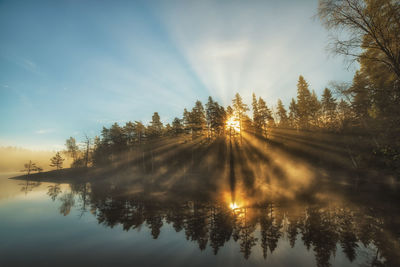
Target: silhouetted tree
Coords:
[[177, 127], [72, 148], [155, 128], [328, 109], [239, 110], [303, 103], [57, 161], [293, 114], [282, 115]]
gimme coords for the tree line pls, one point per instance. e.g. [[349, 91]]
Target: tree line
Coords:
[[369, 106]]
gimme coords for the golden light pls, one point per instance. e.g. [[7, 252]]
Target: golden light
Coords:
[[233, 123], [233, 206]]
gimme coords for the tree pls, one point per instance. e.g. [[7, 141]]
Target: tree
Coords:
[[215, 117], [256, 115], [197, 119], [177, 127], [72, 148], [265, 116], [186, 121], [328, 104], [373, 25], [293, 114], [57, 161], [344, 113], [139, 131], [239, 109], [314, 108], [282, 115], [156, 127], [303, 103], [117, 139], [87, 150], [130, 133], [30, 167]]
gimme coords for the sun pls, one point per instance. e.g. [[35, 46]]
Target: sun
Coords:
[[233, 206], [233, 123]]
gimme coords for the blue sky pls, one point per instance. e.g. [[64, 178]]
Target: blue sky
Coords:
[[70, 67]]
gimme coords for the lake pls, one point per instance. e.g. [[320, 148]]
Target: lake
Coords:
[[109, 222]]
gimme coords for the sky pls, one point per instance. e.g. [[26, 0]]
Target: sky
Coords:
[[68, 68]]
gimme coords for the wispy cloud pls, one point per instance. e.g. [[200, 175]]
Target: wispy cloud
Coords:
[[44, 131], [30, 66]]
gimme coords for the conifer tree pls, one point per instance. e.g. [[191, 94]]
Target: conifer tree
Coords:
[[156, 127], [293, 114], [239, 110], [187, 121], [265, 116], [314, 108], [57, 161], [256, 116], [282, 115], [303, 102], [177, 127], [328, 109], [198, 118]]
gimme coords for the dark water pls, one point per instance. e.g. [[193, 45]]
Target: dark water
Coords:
[[108, 224]]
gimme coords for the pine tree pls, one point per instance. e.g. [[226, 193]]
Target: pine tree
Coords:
[[239, 109], [344, 113], [314, 110], [156, 127], [57, 161], [328, 109], [139, 132], [187, 121], [215, 117], [282, 115], [198, 119], [177, 127], [361, 101], [303, 102], [256, 116], [117, 138], [265, 116], [293, 115], [129, 132]]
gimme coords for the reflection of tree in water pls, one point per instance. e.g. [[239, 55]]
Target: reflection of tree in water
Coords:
[[67, 202], [246, 230], [348, 239], [319, 227], [270, 230], [28, 186], [220, 228], [197, 225], [54, 191]]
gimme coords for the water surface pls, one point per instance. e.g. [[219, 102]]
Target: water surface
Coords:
[[105, 223]]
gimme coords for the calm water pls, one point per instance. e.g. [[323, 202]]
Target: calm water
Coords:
[[107, 223]]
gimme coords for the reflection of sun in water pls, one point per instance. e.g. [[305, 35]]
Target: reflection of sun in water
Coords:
[[233, 206], [233, 123]]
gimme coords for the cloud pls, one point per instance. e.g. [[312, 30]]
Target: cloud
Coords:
[[44, 131], [29, 65]]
